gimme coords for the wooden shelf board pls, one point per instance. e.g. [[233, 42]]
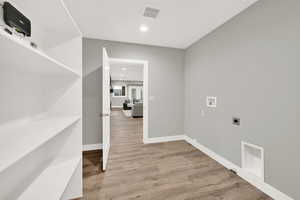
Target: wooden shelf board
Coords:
[[18, 140], [53, 181], [17, 52]]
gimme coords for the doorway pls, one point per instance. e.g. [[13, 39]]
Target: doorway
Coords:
[[140, 92], [136, 94]]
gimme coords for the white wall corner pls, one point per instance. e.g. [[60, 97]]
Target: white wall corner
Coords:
[[252, 179], [91, 147]]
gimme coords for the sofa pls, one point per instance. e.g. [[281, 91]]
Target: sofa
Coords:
[[137, 110], [126, 105]]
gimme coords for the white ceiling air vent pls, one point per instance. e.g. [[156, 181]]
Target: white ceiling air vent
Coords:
[[151, 12]]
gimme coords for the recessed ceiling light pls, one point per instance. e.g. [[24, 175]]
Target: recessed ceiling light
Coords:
[[124, 69], [144, 28]]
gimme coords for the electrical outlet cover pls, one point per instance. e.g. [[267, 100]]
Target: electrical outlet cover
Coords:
[[211, 102]]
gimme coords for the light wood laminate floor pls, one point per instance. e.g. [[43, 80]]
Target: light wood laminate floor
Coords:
[[166, 171]]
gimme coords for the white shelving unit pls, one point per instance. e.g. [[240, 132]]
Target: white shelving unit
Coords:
[[29, 136], [51, 22], [34, 59], [41, 106], [52, 188]]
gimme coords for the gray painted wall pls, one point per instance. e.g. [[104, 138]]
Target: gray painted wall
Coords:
[[252, 65], [118, 101], [166, 82]]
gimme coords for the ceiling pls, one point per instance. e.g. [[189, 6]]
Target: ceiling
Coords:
[[133, 72], [179, 24]]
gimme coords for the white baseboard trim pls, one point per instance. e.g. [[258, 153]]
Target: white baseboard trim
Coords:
[[117, 106], [263, 186], [213, 155], [253, 180], [91, 147], [164, 139]]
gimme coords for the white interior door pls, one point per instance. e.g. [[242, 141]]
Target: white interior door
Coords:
[[105, 109]]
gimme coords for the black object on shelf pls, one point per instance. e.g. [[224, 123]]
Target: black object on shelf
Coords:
[[15, 19]]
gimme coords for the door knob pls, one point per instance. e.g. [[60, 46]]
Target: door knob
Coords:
[[104, 115]]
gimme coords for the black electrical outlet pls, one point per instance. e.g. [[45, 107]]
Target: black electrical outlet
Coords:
[[236, 121]]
